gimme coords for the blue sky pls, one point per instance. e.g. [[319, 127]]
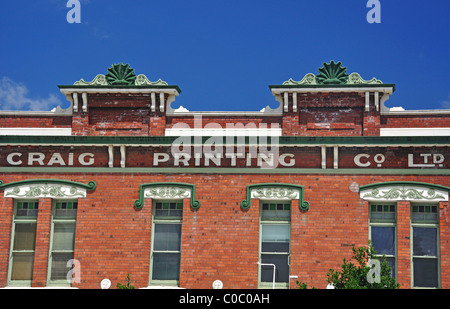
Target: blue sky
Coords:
[[223, 54]]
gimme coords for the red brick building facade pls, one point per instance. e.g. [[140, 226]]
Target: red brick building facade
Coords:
[[121, 183]]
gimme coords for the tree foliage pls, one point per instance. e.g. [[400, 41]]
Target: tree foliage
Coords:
[[361, 272]]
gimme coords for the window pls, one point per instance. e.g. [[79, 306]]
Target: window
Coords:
[[62, 241], [166, 242], [23, 242], [275, 244], [383, 232], [425, 245]]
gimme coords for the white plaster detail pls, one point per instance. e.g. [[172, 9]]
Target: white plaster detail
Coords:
[[44, 190], [122, 155], [75, 101], [37, 131], [414, 131], [377, 101], [153, 97], [324, 156], [223, 132], [161, 101], [275, 193], [167, 192], [367, 101], [111, 155], [85, 101], [404, 193], [294, 102], [335, 157], [286, 101]]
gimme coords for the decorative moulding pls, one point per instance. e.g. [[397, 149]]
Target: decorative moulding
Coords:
[[277, 192], [332, 77], [46, 188], [120, 75], [120, 79], [404, 191], [167, 191], [332, 74]]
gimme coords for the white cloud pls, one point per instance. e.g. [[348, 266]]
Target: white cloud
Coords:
[[14, 96], [446, 103]]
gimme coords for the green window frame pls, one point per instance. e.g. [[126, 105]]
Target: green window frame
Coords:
[[62, 242], [23, 241], [383, 232], [165, 257], [274, 244], [425, 245]]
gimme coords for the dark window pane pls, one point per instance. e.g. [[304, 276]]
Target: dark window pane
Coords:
[[64, 236], [383, 240], [281, 268], [22, 266], [167, 237], [424, 241], [425, 272], [276, 211], [59, 266], [24, 236], [275, 247], [391, 262], [385, 213], [27, 209], [169, 209], [166, 266], [275, 237], [66, 212], [425, 213]]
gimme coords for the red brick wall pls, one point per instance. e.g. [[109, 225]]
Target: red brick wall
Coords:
[[42, 245], [444, 240], [331, 114], [219, 240], [119, 114], [404, 243], [415, 121], [222, 121], [7, 121], [318, 114]]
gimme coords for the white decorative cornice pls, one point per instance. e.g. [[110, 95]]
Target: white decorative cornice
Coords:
[[167, 192], [414, 192], [275, 193], [45, 190]]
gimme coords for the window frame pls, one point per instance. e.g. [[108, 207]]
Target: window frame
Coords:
[[161, 220], [426, 224], [15, 220], [59, 220], [385, 223], [274, 221]]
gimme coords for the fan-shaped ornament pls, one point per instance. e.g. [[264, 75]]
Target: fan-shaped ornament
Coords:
[[332, 73], [120, 75]]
